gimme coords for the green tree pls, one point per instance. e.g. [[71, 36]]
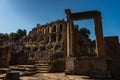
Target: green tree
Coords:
[[14, 36], [84, 32], [4, 37], [76, 27], [21, 32], [1, 36]]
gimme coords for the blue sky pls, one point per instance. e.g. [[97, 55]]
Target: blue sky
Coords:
[[25, 14]]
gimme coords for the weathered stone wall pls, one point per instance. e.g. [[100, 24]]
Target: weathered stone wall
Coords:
[[76, 43], [58, 66], [80, 46], [19, 59], [113, 53], [111, 45], [5, 56], [85, 66]]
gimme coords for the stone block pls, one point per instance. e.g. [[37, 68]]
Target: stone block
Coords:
[[70, 65], [100, 74], [12, 76]]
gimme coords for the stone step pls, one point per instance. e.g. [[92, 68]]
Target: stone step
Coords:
[[43, 67], [24, 70], [43, 71], [4, 70], [42, 64], [22, 66], [25, 66], [2, 76], [29, 73]]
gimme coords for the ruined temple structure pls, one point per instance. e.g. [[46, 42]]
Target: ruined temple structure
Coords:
[[50, 41], [73, 63], [107, 49], [59, 39], [45, 40]]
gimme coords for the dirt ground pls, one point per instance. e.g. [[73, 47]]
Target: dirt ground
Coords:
[[54, 76]]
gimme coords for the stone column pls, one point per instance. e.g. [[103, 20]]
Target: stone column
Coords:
[[57, 28], [69, 34], [100, 48], [70, 59], [68, 40], [49, 38], [57, 36], [50, 29]]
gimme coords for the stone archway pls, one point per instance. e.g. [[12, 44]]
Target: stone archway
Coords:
[[96, 15], [100, 48]]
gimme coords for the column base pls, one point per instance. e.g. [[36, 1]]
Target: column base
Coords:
[[70, 66], [69, 72]]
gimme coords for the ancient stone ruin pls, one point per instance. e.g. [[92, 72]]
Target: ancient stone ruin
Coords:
[[60, 48], [47, 39], [100, 65]]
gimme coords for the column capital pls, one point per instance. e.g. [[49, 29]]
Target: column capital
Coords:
[[68, 12]]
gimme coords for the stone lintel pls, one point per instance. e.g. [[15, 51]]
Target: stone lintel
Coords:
[[84, 15]]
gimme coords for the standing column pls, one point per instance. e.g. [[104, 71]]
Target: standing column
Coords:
[[57, 36], [70, 59], [68, 40], [69, 34], [100, 48], [49, 38]]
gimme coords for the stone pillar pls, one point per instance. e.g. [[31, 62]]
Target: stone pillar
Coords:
[[57, 36], [70, 59], [68, 40], [100, 48], [49, 38], [69, 34], [57, 28], [50, 29]]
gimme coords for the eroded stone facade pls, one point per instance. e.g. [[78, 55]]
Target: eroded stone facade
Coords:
[[112, 46], [48, 39]]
